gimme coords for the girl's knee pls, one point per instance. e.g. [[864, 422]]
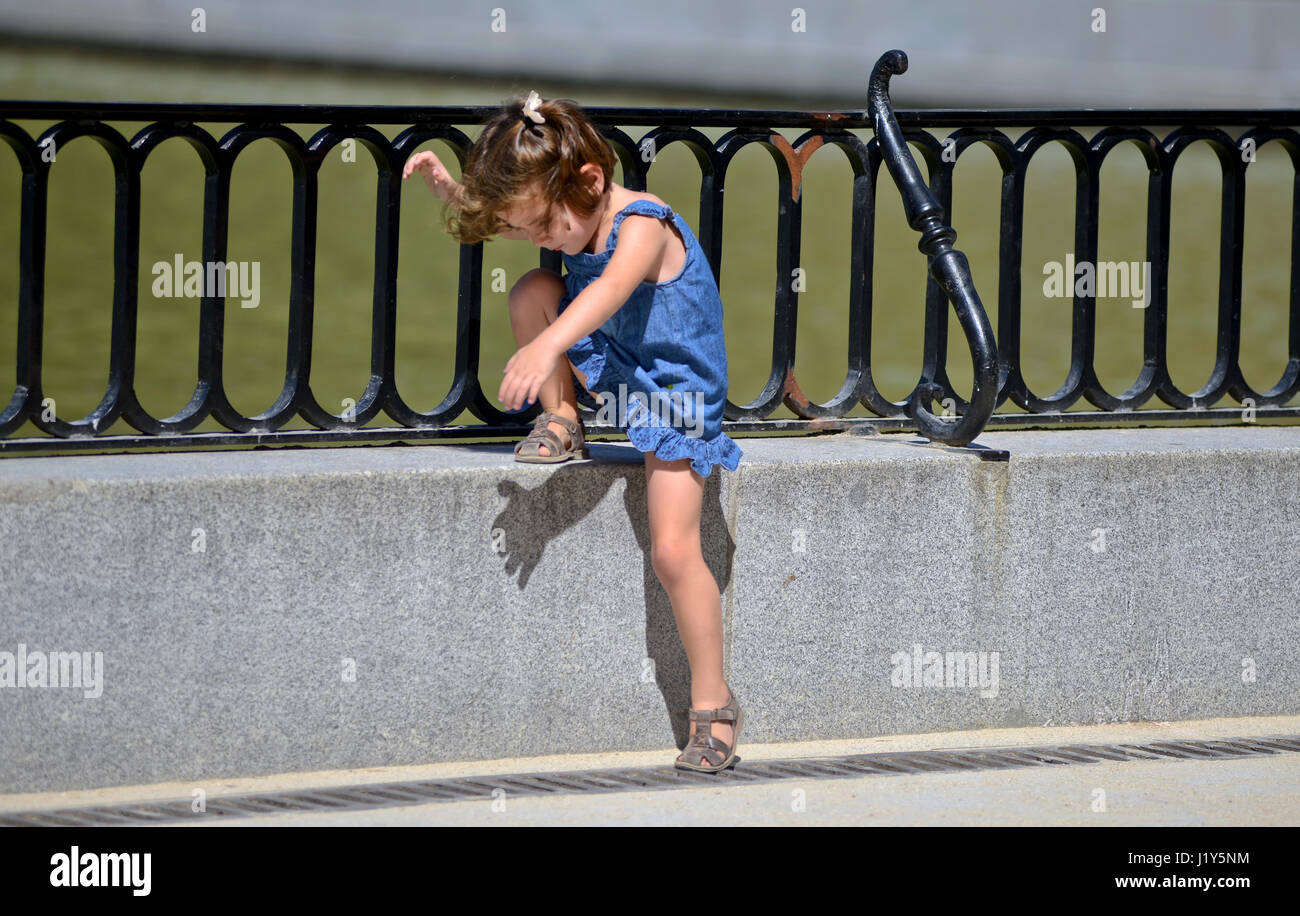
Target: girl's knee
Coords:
[[537, 288], [671, 558]]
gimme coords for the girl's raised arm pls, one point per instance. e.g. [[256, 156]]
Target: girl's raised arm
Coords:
[[443, 185], [435, 175]]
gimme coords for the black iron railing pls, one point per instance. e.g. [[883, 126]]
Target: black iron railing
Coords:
[[997, 372]]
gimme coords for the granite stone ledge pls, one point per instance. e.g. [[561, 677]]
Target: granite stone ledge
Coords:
[[301, 609]]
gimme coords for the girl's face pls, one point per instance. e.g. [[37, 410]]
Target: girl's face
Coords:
[[565, 232]]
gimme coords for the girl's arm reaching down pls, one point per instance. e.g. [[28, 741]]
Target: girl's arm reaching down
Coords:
[[636, 259], [637, 256]]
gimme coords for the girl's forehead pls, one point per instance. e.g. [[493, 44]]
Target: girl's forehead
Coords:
[[525, 210]]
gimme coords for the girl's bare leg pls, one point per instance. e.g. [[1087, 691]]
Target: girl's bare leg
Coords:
[[676, 496], [533, 303]]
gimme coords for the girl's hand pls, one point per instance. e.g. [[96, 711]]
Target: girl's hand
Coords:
[[525, 373], [435, 174]]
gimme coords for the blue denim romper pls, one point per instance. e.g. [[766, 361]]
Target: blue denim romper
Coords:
[[665, 344]]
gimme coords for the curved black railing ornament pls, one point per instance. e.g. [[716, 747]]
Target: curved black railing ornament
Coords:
[[949, 268]]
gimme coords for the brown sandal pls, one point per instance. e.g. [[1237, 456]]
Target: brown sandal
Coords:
[[528, 450], [704, 752]]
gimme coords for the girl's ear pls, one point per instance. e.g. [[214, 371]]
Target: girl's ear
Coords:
[[594, 175]]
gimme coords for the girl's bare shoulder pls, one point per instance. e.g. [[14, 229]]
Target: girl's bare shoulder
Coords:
[[623, 196], [672, 261]]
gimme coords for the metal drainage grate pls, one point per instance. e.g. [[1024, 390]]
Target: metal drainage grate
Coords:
[[469, 788]]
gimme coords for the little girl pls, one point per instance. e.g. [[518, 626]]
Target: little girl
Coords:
[[637, 311]]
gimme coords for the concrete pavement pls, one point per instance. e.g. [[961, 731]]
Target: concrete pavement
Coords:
[[1246, 792]]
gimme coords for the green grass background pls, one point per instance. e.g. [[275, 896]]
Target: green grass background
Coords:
[[80, 238]]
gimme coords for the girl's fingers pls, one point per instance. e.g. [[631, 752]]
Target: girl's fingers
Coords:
[[434, 172], [515, 393], [422, 161]]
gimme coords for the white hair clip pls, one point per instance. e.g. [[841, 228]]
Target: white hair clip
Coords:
[[531, 105]]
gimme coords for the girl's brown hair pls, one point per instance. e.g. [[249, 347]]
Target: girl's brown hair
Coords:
[[514, 153]]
